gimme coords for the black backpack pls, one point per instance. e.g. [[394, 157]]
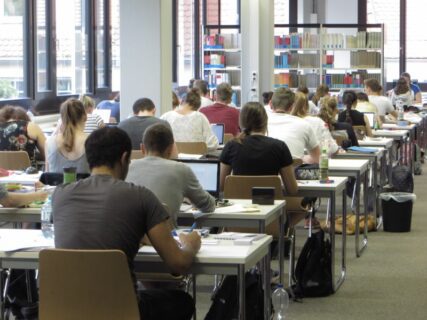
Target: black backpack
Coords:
[[225, 301], [402, 179], [313, 271]]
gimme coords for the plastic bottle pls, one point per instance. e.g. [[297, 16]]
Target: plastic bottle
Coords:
[[324, 165], [46, 218], [280, 299], [399, 107]]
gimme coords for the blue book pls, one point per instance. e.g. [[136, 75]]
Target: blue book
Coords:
[[361, 149]]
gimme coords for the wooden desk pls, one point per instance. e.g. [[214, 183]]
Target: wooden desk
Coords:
[[357, 169], [259, 219], [313, 188], [224, 258]]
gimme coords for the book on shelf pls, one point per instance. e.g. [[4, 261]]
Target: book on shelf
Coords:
[[222, 41], [365, 59], [355, 79], [214, 60], [296, 41], [362, 40], [293, 79]]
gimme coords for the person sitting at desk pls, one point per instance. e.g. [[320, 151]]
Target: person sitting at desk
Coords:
[[169, 180], [66, 149], [93, 121], [105, 212], [205, 99], [18, 133], [253, 153], [352, 116], [188, 124], [221, 112], [416, 91], [373, 90], [144, 113], [402, 94], [295, 132]]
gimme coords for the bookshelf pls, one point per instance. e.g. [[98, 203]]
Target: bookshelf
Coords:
[[222, 60], [339, 55]]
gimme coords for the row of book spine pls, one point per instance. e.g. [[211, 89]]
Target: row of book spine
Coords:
[[348, 80], [362, 40], [296, 41], [294, 79], [214, 78], [222, 41], [295, 60], [365, 59]]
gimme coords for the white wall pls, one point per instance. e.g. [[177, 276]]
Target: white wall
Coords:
[[146, 53]]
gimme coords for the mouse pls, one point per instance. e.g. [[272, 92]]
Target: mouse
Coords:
[[31, 170]]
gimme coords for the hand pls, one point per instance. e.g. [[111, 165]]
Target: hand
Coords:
[[40, 195], [191, 241]]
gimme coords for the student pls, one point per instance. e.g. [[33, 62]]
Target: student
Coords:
[[18, 133], [66, 149], [143, 116], [416, 91], [105, 212], [300, 109], [321, 92], [295, 132], [402, 94], [352, 116], [373, 90], [221, 112], [202, 85], [175, 101], [266, 98], [328, 113], [169, 180], [188, 124], [93, 121], [312, 108]]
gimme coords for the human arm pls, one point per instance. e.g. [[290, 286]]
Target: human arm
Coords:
[[36, 134], [194, 191], [177, 258], [288, 177], [224, 172], [315, 154], [13, 200], [418, 97], [367, 126]]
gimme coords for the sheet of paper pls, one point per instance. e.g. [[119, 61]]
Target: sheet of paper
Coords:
[[237, 208], [16, 239]]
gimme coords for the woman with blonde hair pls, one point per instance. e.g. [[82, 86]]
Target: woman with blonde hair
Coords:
[[321, 92], [93, 121], [66, 149], [320, 128]]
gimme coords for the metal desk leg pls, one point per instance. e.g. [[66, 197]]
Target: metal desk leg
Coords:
[[357, 199], [267, 287], [390, 165], [380, 190], [242, 291], [194, 296], [365, 206], [337, 283], [282, 246]]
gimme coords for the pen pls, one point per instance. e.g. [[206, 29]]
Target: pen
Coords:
[[174, 234], [193, 226]]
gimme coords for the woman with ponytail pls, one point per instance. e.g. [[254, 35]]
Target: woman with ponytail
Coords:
[[66, 149], [253, 153], [352, 116]]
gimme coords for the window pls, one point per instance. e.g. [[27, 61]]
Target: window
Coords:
[[42, 57], [12, 49], [387, 12], [71, 47], [100, 43], [416, 41], [281, 16], [185, 45], [115, 44]]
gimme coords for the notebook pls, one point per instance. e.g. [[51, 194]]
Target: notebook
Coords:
[[218, 130], [371, 118], [104, 114], [207, 172]]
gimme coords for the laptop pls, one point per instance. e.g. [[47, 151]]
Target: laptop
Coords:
[[104, 114], [218, 130], [207, 172], [371, 118]]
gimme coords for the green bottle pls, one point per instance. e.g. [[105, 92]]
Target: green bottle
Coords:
[[324, 165]]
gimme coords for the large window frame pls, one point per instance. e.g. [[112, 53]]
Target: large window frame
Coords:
[[33, 96]]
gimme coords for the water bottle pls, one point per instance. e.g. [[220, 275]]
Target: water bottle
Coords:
[[280, 301], [399, 106], [47, 219], [324, 165]]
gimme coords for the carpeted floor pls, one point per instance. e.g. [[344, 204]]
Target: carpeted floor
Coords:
[[389, 280]]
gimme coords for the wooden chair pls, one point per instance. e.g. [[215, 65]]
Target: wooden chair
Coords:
[[136, 154], [14, 160], [86, 284], [192, 147], [228, 137]]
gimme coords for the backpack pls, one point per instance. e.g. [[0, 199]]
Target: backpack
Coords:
[[313, 271], [402, 179], [225, 305]]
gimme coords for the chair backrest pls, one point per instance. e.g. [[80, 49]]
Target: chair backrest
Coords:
[[192, 147], [136, 154], [228, 137], [86, 284], [14, 160], [240, 187]]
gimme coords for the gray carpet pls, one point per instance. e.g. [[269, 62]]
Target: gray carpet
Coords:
[[389, 280]]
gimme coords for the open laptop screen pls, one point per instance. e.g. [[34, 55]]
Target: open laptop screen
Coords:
[[207, 172], [218, 130], [371, 118]]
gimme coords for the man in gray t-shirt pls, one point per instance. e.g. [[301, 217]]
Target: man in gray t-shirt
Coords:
[[144, 111], [169, 180], [104, 212]]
